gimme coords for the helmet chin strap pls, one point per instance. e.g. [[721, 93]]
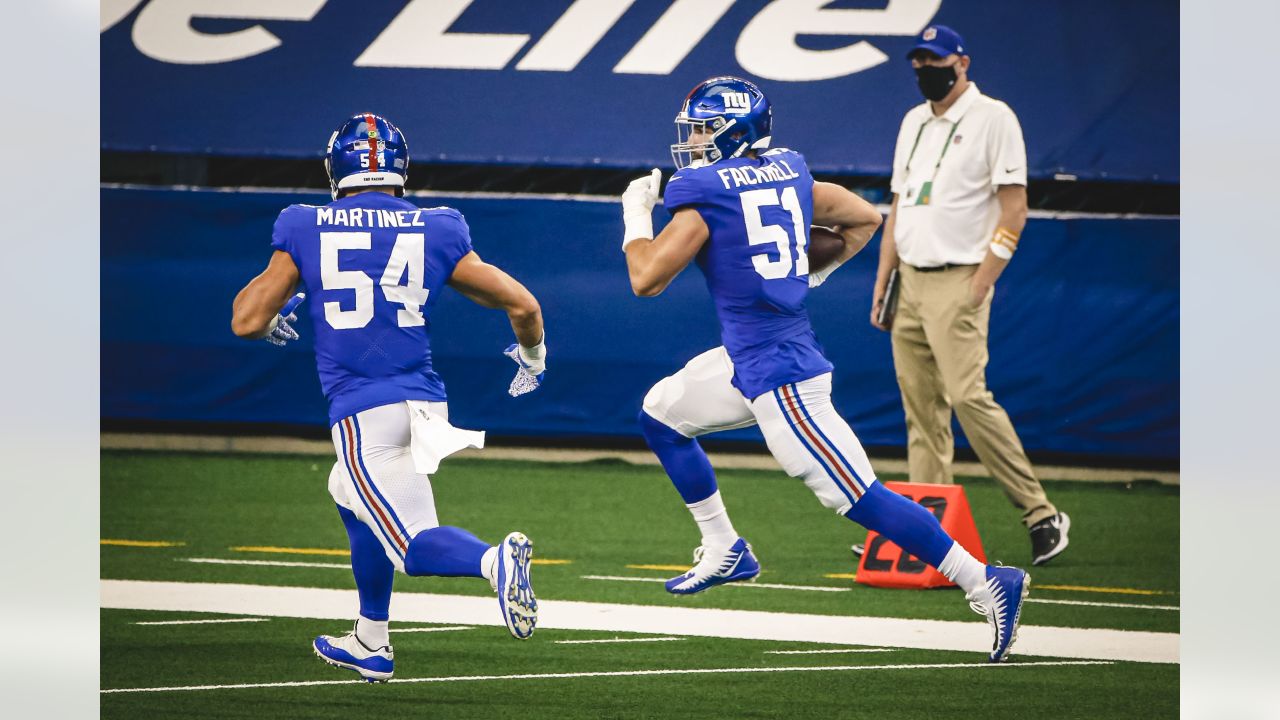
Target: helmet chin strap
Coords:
[[761, 144], [328, 165], [333, 184], [716, 148]]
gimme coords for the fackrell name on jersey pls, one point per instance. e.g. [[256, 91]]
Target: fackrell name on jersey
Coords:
[[774, 171]]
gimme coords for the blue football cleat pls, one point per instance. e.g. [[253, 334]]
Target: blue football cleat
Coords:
[[713, 566], [1001, 601], [347, 652], [515, 593]]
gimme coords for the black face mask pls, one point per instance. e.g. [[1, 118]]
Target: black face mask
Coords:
[[935, 82]]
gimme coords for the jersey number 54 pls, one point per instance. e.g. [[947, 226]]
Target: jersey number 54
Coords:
[[406, 255]]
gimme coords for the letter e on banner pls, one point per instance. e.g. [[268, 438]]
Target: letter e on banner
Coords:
[[163, 29], [767, 46]]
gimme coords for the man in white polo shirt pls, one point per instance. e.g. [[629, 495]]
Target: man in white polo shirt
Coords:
[[959, 205]]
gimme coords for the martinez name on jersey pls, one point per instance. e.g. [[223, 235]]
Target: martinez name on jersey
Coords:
[[369, 217]]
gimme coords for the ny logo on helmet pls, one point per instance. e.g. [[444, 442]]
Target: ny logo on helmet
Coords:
[[736, 102]]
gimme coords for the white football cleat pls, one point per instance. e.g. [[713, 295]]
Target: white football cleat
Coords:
[[1000, 600], [515, 592], [716, 566], [347, 652]]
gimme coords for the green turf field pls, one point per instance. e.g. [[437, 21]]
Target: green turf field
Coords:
[[601, 520]]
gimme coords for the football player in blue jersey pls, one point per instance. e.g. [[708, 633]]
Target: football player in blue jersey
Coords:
[[742, 211], [373, 265]]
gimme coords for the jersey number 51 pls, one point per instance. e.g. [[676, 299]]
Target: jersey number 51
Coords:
[[760, 234]]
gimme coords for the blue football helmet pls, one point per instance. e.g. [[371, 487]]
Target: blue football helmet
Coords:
[[732, 114], [367, 151]]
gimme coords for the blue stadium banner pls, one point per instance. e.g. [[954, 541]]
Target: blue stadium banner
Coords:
[[1084, 353], [597, 82]]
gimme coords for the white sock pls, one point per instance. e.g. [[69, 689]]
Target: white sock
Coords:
[[713, 521], [373, 633], [489, 566], [963, 569]]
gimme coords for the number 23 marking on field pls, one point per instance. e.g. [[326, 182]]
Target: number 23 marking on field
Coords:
[[760, 234], [407, 255]]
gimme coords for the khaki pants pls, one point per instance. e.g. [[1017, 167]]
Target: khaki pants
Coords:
[[940, 355]]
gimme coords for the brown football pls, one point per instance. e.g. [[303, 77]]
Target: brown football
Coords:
[[825, 245]]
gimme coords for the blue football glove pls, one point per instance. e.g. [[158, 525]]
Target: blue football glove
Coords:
[[279, 332], [533, 366]]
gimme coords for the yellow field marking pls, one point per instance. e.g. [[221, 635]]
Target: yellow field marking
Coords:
[[1115, 590], [141, 543], [345, 553], [841, 576], [290, 551], [672, 568]]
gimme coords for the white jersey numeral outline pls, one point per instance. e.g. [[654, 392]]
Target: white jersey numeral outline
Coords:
[[760, 234], [407, 255]]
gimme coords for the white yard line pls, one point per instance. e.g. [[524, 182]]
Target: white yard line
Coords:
[[829, 651], [203, 622], [624, 578], [447, 628], [765, 586], [1087, 603], [826, 630], [616, 640], [621, 673], [826, 588]]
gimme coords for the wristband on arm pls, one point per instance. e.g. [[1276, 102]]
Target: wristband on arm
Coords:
[[535, 357], [637, 207], [637, 226], [820, 276], [1003, 243]]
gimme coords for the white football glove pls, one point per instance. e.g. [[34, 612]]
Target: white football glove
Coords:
[[533, 367], [637, 207], [279, 332]]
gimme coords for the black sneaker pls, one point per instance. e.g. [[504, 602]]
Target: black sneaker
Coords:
[[1049, 538]]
